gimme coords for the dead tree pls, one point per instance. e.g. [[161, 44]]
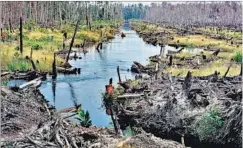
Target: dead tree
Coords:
[[161, 50], [31, 52], [227, 71], [10, 25], [33, 64], [90, 27], [170, 60], [187, 83], [54, 70], [21, 36], [66, 64], [99, 46], [215, 53], [64, 39], [118, 73], [241, 69]]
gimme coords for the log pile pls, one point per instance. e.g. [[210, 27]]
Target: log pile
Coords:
[[28, 121], [174, 105]]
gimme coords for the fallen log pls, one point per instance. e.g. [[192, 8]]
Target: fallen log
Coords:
[[70, 109], [29, 75], [5, 73], [68, 70], [34, 83], [130, 96]]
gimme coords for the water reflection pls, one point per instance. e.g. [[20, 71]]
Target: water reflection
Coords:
[[54, 90], [96, 70], [73, 96]]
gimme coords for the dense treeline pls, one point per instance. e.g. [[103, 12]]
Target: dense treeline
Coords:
[[134, 11], [223, 14], [52, 13]]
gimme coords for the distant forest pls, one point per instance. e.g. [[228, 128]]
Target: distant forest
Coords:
[[50, 13]]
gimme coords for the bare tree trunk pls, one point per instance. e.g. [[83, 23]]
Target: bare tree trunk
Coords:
[[241, 69], [118, 72], [21, 36], [72, 41], [10, 25], [228, 69], [60, 14], [31, 52], [86, 13], [54, 70]]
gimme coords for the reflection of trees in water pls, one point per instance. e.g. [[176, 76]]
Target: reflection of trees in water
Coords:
[[54, 90], [73, 96]]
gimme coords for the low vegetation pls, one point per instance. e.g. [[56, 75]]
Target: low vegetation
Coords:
[[209, 124], [46, 41], [84, 118], [206, 41]]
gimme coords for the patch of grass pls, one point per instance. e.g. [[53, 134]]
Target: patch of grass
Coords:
[[209, 124], [237, 57], [219, 65], [46, 41], [89, 35], [19, 64]]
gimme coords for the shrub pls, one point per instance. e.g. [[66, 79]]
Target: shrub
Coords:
[[209, 124], [84, 118], [238, 57], [35, 46]]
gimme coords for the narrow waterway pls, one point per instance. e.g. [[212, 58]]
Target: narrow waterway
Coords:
[[96, 70]]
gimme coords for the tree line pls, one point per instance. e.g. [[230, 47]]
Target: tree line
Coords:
[[222, 14], [50, 13], [135, 11]]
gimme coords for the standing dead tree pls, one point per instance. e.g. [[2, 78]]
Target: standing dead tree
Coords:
[[66, 64], [21, 35]]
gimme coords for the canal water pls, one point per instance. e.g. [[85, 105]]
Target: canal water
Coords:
[[96, 70]]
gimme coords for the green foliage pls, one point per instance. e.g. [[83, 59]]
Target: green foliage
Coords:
[[35, 46], [238, 57], [209, 124], [84, 118], [19, 64]]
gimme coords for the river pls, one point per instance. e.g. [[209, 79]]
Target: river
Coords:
[[96, 70]]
